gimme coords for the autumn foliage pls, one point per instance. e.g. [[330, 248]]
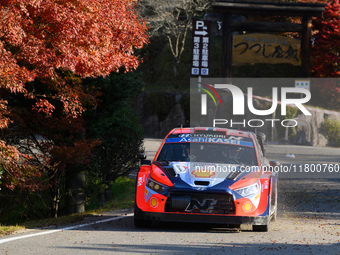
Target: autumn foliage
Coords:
[[87, 37], [46, 48], [327, 45], [326, 56]]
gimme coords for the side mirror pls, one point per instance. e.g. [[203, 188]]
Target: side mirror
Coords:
[[274, 163], [261, 138], [141, 156], [143, 160]]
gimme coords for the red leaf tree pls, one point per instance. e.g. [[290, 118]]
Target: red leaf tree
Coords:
[[46, 47], [326, 51], [326, 55], [87, 37]]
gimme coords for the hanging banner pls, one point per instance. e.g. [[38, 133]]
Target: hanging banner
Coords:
[[266, 48]]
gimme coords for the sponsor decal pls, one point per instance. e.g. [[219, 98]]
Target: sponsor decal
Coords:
[[265, 185], [154, 202], [180, 168], [140, 180], [247, 207], [209, 140], [203, 173]]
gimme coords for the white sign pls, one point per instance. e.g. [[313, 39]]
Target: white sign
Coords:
[[302, 84], [200, 47]]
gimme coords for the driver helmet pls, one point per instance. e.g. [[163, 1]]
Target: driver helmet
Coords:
[[234, 153], [188, 153]]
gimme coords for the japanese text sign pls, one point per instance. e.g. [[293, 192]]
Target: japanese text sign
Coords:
[[200, 47], [266, 48]]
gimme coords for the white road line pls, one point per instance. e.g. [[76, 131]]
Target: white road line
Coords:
[[62, 229]]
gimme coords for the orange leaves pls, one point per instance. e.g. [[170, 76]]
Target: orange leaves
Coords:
[[4, 114], [326, 51], [88, 37], [44, 106], [17, 172]]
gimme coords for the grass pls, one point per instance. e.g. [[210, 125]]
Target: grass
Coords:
[[123, 193], [7, 230]]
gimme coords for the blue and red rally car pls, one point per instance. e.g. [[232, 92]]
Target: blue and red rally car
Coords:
[[207, 175]]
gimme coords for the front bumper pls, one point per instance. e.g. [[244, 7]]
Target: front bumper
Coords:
[[200, 218]]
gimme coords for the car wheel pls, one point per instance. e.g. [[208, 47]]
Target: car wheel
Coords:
[[274, 213], [261, 228], [274, 205], [274, 209]]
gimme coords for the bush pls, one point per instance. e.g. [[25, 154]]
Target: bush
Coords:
[[332, 128]]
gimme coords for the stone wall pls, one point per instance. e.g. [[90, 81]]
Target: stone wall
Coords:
[[318, 134]]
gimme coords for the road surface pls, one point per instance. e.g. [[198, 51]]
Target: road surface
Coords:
[[308, 222]]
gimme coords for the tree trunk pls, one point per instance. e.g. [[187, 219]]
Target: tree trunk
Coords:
[[75, 183], [176, 74]]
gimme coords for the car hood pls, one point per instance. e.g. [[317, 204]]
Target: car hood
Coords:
[[202, 174]]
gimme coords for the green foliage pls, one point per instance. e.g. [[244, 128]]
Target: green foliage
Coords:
[[7, 230], [18, 206], [118, 128], [122, 194], [332, 128], [123, 191]]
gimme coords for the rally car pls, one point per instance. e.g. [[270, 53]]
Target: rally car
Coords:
[[207, 175]]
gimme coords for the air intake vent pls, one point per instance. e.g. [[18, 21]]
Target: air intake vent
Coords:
[[202, 183], [234, 175]]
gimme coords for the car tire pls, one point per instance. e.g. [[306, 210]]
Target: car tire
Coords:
[[273, 216], [274, 205], [261, 228]]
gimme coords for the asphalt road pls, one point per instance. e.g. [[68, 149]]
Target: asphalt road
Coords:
[[308, 222]]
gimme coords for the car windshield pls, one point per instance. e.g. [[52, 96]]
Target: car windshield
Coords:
[[208, 152]]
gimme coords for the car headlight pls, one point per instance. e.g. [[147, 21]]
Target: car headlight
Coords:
[[249, 190], [156, 186]]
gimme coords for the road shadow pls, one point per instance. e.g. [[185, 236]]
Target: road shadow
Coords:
[[205, 248]]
